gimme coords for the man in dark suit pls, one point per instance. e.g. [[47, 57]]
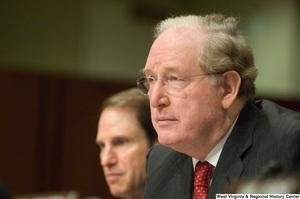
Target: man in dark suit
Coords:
[[200, 76]]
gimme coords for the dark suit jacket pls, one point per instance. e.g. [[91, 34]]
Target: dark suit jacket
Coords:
[[4, 194], [263, 132]]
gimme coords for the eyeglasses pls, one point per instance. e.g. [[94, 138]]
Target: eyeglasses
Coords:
[[172, 85]]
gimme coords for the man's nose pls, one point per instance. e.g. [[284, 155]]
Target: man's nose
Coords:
[[157, 95], [108, 157]]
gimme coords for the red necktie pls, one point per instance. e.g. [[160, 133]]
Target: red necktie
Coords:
[[202, 180]]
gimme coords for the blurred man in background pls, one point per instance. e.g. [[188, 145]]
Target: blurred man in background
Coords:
[[125, 135]]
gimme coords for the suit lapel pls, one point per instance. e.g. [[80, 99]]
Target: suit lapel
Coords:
[[186, 176], [230, 165], [181, 182]]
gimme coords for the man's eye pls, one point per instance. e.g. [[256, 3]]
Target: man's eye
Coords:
[[174, 78], [120, 142], [101, 146], [151, 80]]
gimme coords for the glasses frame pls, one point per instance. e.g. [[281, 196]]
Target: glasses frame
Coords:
[[142, 88]]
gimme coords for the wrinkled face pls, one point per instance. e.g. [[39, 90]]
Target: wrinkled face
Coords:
[[124, 147], [190, 117]]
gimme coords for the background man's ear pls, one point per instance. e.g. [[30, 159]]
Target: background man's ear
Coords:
[[231, 82]]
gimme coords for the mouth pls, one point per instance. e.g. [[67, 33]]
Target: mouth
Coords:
[[113, 177], [162, 121]]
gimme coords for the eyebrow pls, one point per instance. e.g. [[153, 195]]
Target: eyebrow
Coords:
[[117, 137], [167, 69]]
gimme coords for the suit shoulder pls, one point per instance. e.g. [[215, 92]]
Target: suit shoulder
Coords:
[[276, 113]]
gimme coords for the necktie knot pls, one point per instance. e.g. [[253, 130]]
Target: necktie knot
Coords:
[[202, 179]]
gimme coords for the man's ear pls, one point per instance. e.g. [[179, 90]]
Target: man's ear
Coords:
[[231, 82]]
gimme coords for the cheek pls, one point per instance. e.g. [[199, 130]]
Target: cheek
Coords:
[[138, 156], [195, 110], [190, 117], [136, 164]]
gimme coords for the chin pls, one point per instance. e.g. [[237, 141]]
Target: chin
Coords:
[[175, 143], [117, 191], [166, 140], [117, 194]]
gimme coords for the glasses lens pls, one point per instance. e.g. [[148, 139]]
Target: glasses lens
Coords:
[[143, 85]]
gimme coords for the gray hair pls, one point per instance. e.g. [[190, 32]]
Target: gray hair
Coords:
[[224, 48]]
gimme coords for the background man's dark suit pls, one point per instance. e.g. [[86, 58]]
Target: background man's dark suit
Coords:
[[4, 194], [263, 132]]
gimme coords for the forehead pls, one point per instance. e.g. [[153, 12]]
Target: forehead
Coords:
[[119, 122], [175, 50]]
